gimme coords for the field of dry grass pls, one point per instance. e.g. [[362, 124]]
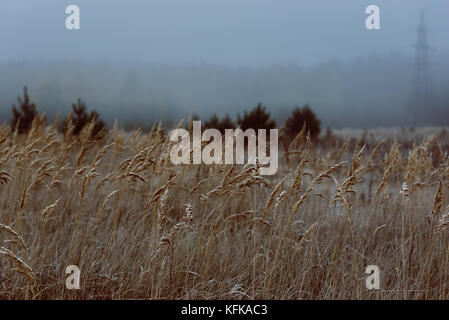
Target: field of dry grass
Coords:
[[140, 227]]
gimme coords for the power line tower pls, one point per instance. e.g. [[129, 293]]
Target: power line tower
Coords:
[[422, 108]]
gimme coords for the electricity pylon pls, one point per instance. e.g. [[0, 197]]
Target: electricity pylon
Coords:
[[422, 108]]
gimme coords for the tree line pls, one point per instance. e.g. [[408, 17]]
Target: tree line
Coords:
[[25, 113]]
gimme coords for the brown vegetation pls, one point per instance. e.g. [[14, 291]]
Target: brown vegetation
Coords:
[[140, 227]]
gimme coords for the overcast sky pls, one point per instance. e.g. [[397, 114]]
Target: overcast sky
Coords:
[[229, 32]]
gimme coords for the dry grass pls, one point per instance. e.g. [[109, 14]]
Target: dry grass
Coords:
[[139, 227]]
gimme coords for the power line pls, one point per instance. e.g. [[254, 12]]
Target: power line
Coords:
[[422, 108]]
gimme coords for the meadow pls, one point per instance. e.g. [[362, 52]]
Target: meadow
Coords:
[[140, 227]]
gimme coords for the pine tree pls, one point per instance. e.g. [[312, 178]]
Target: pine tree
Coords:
[[299, 118], [258, 118], [24, 116], [79, 118]]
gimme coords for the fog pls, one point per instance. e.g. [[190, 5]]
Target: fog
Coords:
[[142, 62]]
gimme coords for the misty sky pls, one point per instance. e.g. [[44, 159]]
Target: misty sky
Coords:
[[229, 32]]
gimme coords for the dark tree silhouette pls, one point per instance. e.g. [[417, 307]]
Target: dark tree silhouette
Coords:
[[299, 118], [23, 117], [79, 118], [193, 117], [220, 124], [258, 118], [213, 122]]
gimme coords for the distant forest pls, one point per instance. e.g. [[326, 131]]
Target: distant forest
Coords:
[[366, 92]]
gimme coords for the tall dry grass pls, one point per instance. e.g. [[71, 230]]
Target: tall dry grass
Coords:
[[139, 227]]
